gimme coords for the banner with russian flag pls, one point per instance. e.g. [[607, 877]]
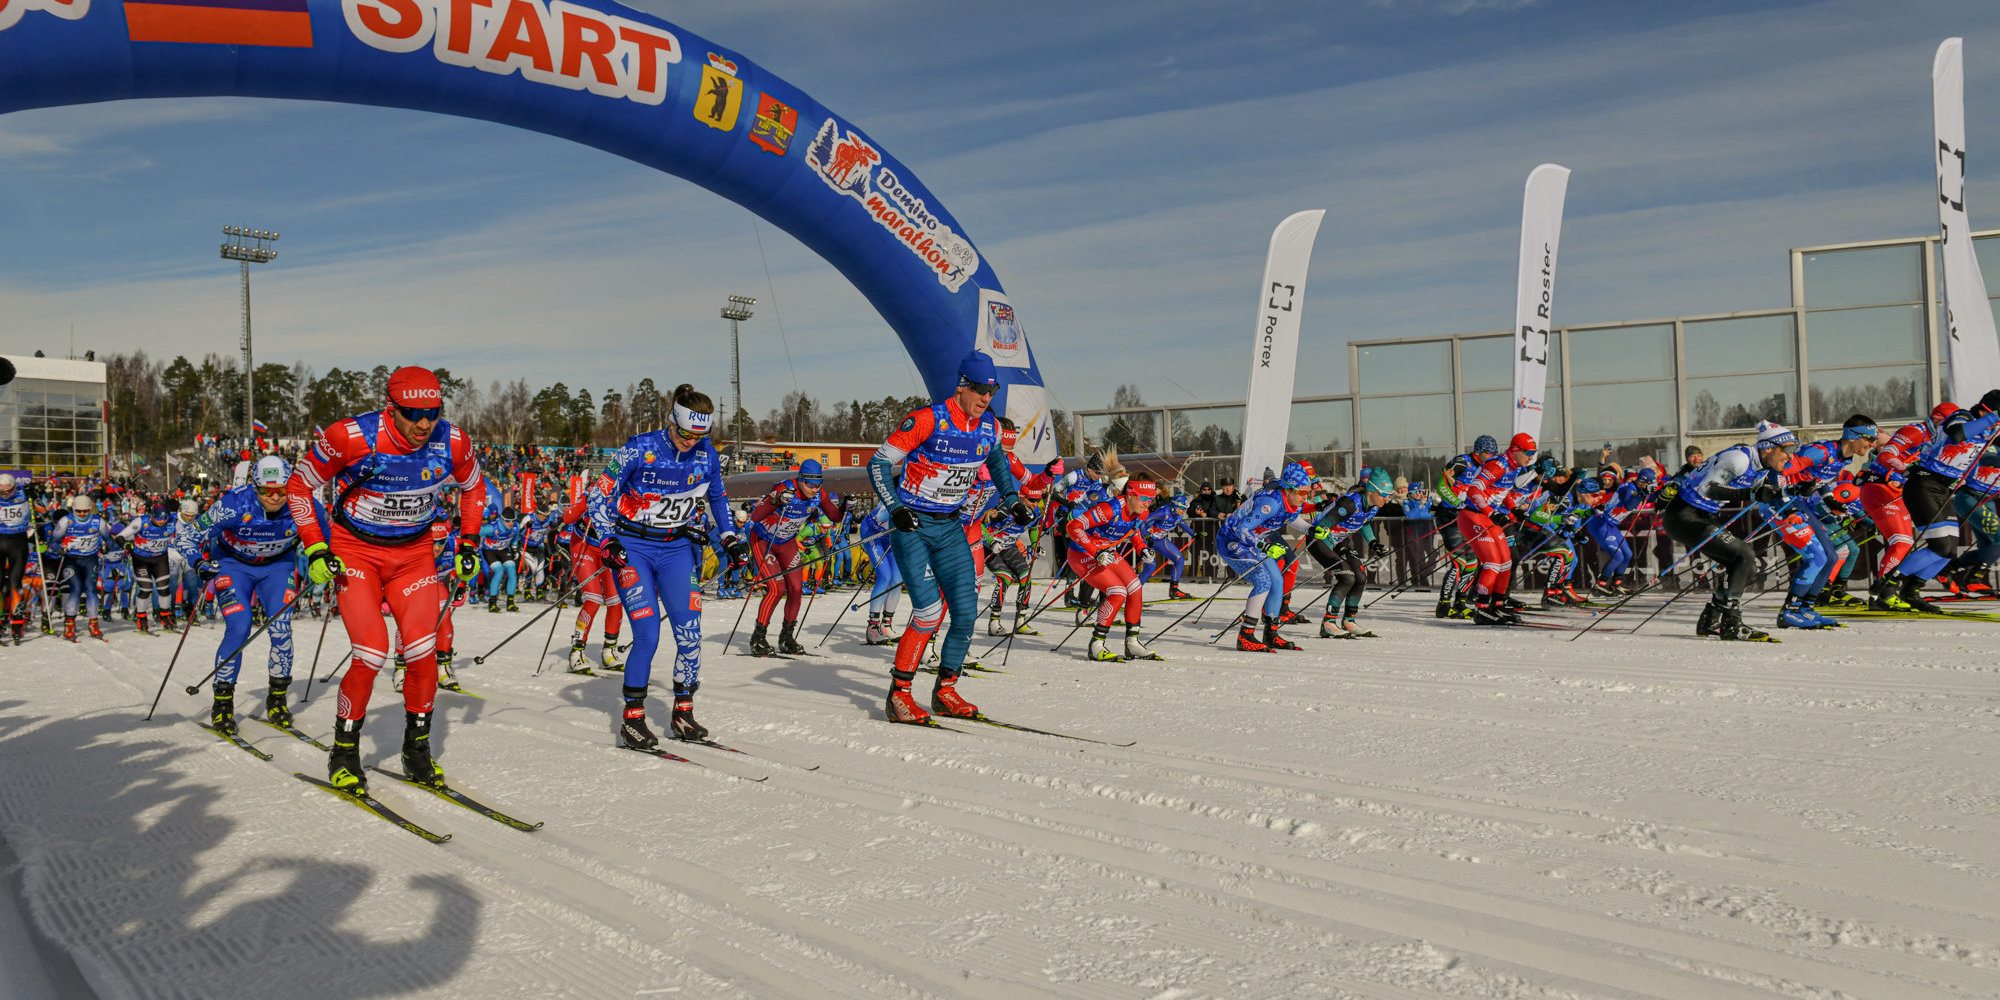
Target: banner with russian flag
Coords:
[[278, 23]]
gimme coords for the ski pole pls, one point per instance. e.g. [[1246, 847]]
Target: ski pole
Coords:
[[1692, 585], [530, 622], [1661, 575], [185, 629], [331, 608], [1052, 598], [845, 608], [245, 644], [554, 623]]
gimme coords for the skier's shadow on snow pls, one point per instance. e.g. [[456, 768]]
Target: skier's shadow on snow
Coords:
[[112, 838], [846, 668]]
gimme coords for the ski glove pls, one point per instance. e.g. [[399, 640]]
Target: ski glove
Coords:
[[466, 564], [1802, 488], [737, 549], [1768, 492], [322, 566], [904, 519], [614, 554], [208, 569], [1377, 549], [1321, 534], [1277, 551], [1023, 514]]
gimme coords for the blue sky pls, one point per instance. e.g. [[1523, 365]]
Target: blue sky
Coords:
[[1121, 165]]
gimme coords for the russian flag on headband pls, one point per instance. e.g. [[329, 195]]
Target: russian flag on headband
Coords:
[[279, 23]]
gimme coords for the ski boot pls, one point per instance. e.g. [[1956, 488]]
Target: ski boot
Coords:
[[1509, 603], [877, 633], [788, 643], [343, 762], [446, 679], [511, 606], [95, 632], [1711, 618], [1175, 593], [632, 730], [760, 643], [1136, 650], [684, 726], [1021, 624], [493, 604], [1099, 650], [901, 706], [609, 656], [1913, 595], [417, 761], [142, 623], [1274, 641], [1883, 595], [18, 626], [1329, 627], [1286, 616], [1552, 599], [1352, 628], [993, 626], [1733, 629], [1823, 620], [396, 676], [1246, 637], [69, 627], [275, 708], [945, 699], [1444, 608], [1797, 613], [222, 714]]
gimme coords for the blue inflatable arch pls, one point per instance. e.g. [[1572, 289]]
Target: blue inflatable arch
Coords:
[[592, 72]]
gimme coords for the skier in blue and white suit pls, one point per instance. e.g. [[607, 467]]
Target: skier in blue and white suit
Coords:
[[80, 534], [888, 580], [245, 544], [1250, 542], [644, 513], [940, 450]]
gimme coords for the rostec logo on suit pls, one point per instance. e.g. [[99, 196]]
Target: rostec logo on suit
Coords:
[[68, 10]]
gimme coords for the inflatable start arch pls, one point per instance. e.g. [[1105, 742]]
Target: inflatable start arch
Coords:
[[592, 72]]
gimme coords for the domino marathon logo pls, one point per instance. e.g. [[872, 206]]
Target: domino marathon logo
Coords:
[[847, 163], [560, 44], [68, 10]]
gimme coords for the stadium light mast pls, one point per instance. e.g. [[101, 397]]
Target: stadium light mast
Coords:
[[736, 312], [250, 246]]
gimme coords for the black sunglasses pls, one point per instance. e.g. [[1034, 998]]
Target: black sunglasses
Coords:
[[414, 414]]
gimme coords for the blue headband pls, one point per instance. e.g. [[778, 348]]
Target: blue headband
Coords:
[[1863, 431]]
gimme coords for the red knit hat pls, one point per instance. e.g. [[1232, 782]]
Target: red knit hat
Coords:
[[415, 387]]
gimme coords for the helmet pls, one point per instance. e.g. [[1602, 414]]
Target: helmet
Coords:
[[159, 511], [1182, 500], [1485, 445], [1774, 435], [189, 508], [1295, 478], [1942, 411], [1378, 481], [1647, 476], [1523, 441], [271, 472], [810, 472], [80, 502]]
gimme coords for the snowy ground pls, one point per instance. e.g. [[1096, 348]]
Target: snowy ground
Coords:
[[1445, 811]]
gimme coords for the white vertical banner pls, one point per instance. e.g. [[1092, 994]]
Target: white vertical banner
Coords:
[[1535, 295], [1274, 347], [1974, 349]]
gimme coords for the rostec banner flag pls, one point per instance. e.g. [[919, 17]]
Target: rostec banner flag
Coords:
[[1975, 349], [528, 492], [1274, 348], [1535, 296]]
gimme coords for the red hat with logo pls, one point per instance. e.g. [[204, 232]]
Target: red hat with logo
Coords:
[[415, 387]]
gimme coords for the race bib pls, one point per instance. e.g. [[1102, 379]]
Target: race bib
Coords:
[[672, 511], [391, 509], [944, 485], [14, 516]]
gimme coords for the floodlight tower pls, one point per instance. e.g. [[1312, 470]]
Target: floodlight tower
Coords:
[[250, 246], [736, 312]]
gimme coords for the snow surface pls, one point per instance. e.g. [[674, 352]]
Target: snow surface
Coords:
[[1444, 811]]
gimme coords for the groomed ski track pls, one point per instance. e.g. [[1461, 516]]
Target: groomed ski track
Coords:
[[1446, 811]]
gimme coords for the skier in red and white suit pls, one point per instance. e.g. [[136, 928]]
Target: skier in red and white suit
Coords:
[[387, 469]]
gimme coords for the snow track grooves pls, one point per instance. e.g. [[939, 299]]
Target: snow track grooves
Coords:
[[1459, 812]]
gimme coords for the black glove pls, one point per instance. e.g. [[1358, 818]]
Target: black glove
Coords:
[[1767, 492], [904, 519], [1377, 549], [1802, 488], [614, 554], [736, 549], [1024, 515], [1869, 476], [208, 569]]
